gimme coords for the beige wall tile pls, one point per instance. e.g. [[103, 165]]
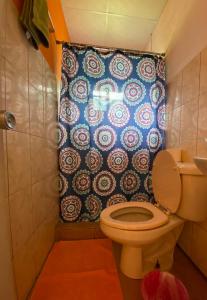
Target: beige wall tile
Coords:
[[24, 268], [38, 202], [45, 200], [17, 95], [173, 131], [201, 148], [175, 92], [44, 238], [176, 117], [36, 104], [50, 114], [202, 120], [202, 126], [38, 146], [172, 138], [50, 158], [52, 190], [28, 89], [21, 217], [203, 74], [198, 253], [50, 80], [2, 25], [189, 123], [36, 69], [16, 45], [190, 85], [2, 83], [185, 240], [7, 284], [19, 165]]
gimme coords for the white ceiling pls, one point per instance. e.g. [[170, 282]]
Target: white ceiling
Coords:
[[112, 23]]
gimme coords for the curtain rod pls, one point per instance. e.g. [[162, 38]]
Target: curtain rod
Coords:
[[105, 49]]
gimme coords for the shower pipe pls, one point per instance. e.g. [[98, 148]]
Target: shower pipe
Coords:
[[111, 49]]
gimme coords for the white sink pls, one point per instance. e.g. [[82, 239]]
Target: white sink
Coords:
[[201, 163]]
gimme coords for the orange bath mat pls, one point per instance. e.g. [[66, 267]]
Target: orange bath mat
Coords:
[[79, 270]]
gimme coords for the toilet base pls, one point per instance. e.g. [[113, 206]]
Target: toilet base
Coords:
[[138, 261], [131, 261]]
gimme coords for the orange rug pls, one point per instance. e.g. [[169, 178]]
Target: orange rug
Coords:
[[79, 270]]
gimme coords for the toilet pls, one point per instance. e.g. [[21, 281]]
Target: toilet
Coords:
[[148, 232]]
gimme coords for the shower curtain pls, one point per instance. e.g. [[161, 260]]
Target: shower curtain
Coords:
[[111, 125]]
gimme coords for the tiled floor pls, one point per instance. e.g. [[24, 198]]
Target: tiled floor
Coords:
[[183, 268]]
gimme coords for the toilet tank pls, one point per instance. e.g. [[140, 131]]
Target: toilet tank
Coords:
[[179, 186], [193, 204]]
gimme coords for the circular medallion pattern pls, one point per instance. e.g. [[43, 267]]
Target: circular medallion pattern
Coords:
[[94, 206], [62, 184], [120, 67], [69, 160], [119, 115], [84, 217], [69, 62], [64, 84], [140, 161], [161, 69], [104, 183], [139, 197], [93, 115], [80, 136], [115, 199], [62, 135], [69, 112], [154, 140], [157, 93], [118, 160], [106, 54], [148, 183], [79, 89], [93, 65], [134, 92], [146, 69], [144, 116], [70, 208], [162, 117], [131, 138], [106, 89], [82, 182], [94, 160], [130, 182], [105, 137]]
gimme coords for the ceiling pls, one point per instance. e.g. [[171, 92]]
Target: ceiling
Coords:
[[112, 23]]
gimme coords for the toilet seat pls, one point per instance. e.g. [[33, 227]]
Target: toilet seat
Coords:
[[158, 218]]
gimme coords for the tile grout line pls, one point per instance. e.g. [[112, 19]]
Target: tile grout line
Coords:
[[198, 102]]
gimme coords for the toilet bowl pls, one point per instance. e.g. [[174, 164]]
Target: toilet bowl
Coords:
[[148, 233]]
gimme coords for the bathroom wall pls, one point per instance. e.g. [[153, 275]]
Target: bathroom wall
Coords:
[[28, 89], [181, 33], [187, 128]]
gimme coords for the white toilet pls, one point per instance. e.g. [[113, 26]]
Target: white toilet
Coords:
[[148, 233]]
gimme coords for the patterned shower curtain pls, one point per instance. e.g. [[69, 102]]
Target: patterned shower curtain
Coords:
[[111, 125]]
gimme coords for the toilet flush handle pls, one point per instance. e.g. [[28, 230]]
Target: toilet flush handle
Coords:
[[7, 120]]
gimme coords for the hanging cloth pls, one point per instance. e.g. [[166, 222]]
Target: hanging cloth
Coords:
[[35, 19]]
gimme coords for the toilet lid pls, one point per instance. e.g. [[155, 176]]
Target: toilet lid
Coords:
[[166, 181]]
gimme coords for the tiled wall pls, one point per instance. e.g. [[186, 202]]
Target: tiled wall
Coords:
[[28, 89], [187, 128]]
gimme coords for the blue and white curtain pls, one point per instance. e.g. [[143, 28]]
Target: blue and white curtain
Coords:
[[111, 125]]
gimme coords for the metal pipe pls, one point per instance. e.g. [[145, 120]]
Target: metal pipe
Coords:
[[111, 49]]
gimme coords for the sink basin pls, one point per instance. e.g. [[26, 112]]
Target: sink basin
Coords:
[[201, 163]]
